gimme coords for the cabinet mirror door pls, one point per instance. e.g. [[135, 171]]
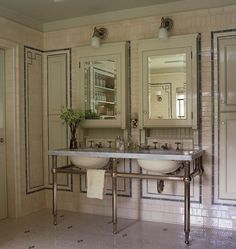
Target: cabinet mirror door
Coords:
[[100, 89], [102, 82], [168, 82]]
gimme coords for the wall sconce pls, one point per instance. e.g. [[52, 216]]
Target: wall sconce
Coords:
[[98, 35], [166, 25], [134, 120]]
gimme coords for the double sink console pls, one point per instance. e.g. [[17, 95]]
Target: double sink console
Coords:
[[168, 105], [160, 164]]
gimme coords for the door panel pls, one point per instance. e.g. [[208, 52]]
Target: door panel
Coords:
[[3, 187], [227, 74], [227, 169]]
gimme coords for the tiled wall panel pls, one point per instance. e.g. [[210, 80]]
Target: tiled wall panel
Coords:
[[58, 95]]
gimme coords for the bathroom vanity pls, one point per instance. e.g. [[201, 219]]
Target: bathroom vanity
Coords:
[[186, 158], [167, 105]]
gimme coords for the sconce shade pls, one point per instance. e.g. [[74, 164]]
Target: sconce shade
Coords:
[[95, 42], [163, 34]]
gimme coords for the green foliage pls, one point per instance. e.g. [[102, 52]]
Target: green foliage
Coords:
[[90, 114], [71, 117]]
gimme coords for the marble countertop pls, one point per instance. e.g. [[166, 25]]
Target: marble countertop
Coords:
[[183, 155]]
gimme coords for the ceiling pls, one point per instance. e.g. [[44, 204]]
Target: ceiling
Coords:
[[47, 15], [53, 10]]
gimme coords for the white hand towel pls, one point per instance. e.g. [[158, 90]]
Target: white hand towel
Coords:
[[95, 183]]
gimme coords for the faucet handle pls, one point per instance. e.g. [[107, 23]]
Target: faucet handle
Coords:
[[91, 143], [98, 145], [109, 143], [155, 145], [178, 145]]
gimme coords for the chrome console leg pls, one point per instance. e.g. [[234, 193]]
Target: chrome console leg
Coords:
[[114, 196], [187, 181], [54, 182]]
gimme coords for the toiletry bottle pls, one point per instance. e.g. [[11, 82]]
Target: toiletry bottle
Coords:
[[118, 139], [122, 145]]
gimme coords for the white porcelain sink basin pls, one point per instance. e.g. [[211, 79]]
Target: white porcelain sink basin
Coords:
[[89, 162], [159, 166]]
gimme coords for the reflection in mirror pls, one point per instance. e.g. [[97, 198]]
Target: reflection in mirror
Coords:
[[167, 86], [100, 89]]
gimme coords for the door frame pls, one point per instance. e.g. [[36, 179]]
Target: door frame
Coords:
[[12, 129]]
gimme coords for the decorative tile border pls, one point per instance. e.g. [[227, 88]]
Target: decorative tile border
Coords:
[[31, 54], [68, 186]]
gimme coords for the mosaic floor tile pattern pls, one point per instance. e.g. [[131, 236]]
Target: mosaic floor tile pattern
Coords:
[[83, 231]]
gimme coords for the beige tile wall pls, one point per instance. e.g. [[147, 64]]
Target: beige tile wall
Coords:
[[203, 21]]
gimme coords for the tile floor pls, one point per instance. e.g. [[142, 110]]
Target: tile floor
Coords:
[[84, 231]]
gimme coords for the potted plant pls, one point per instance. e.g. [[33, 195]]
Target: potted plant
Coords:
[[72, 118]]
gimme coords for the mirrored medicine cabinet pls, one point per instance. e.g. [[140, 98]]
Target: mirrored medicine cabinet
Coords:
[[102, 85], [168, 82]]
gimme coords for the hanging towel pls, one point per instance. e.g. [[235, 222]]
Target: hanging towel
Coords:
[[95, 183]]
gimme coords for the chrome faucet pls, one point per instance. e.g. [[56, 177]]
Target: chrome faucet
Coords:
[[91, 143], [155, 144], [178, 144], [99, 145], [109, 143], [165, 146]]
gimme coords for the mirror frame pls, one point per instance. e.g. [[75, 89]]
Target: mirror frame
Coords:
[[119, 53], [176, 44]]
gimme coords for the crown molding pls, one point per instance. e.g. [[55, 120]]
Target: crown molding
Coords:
[[154, 10]]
